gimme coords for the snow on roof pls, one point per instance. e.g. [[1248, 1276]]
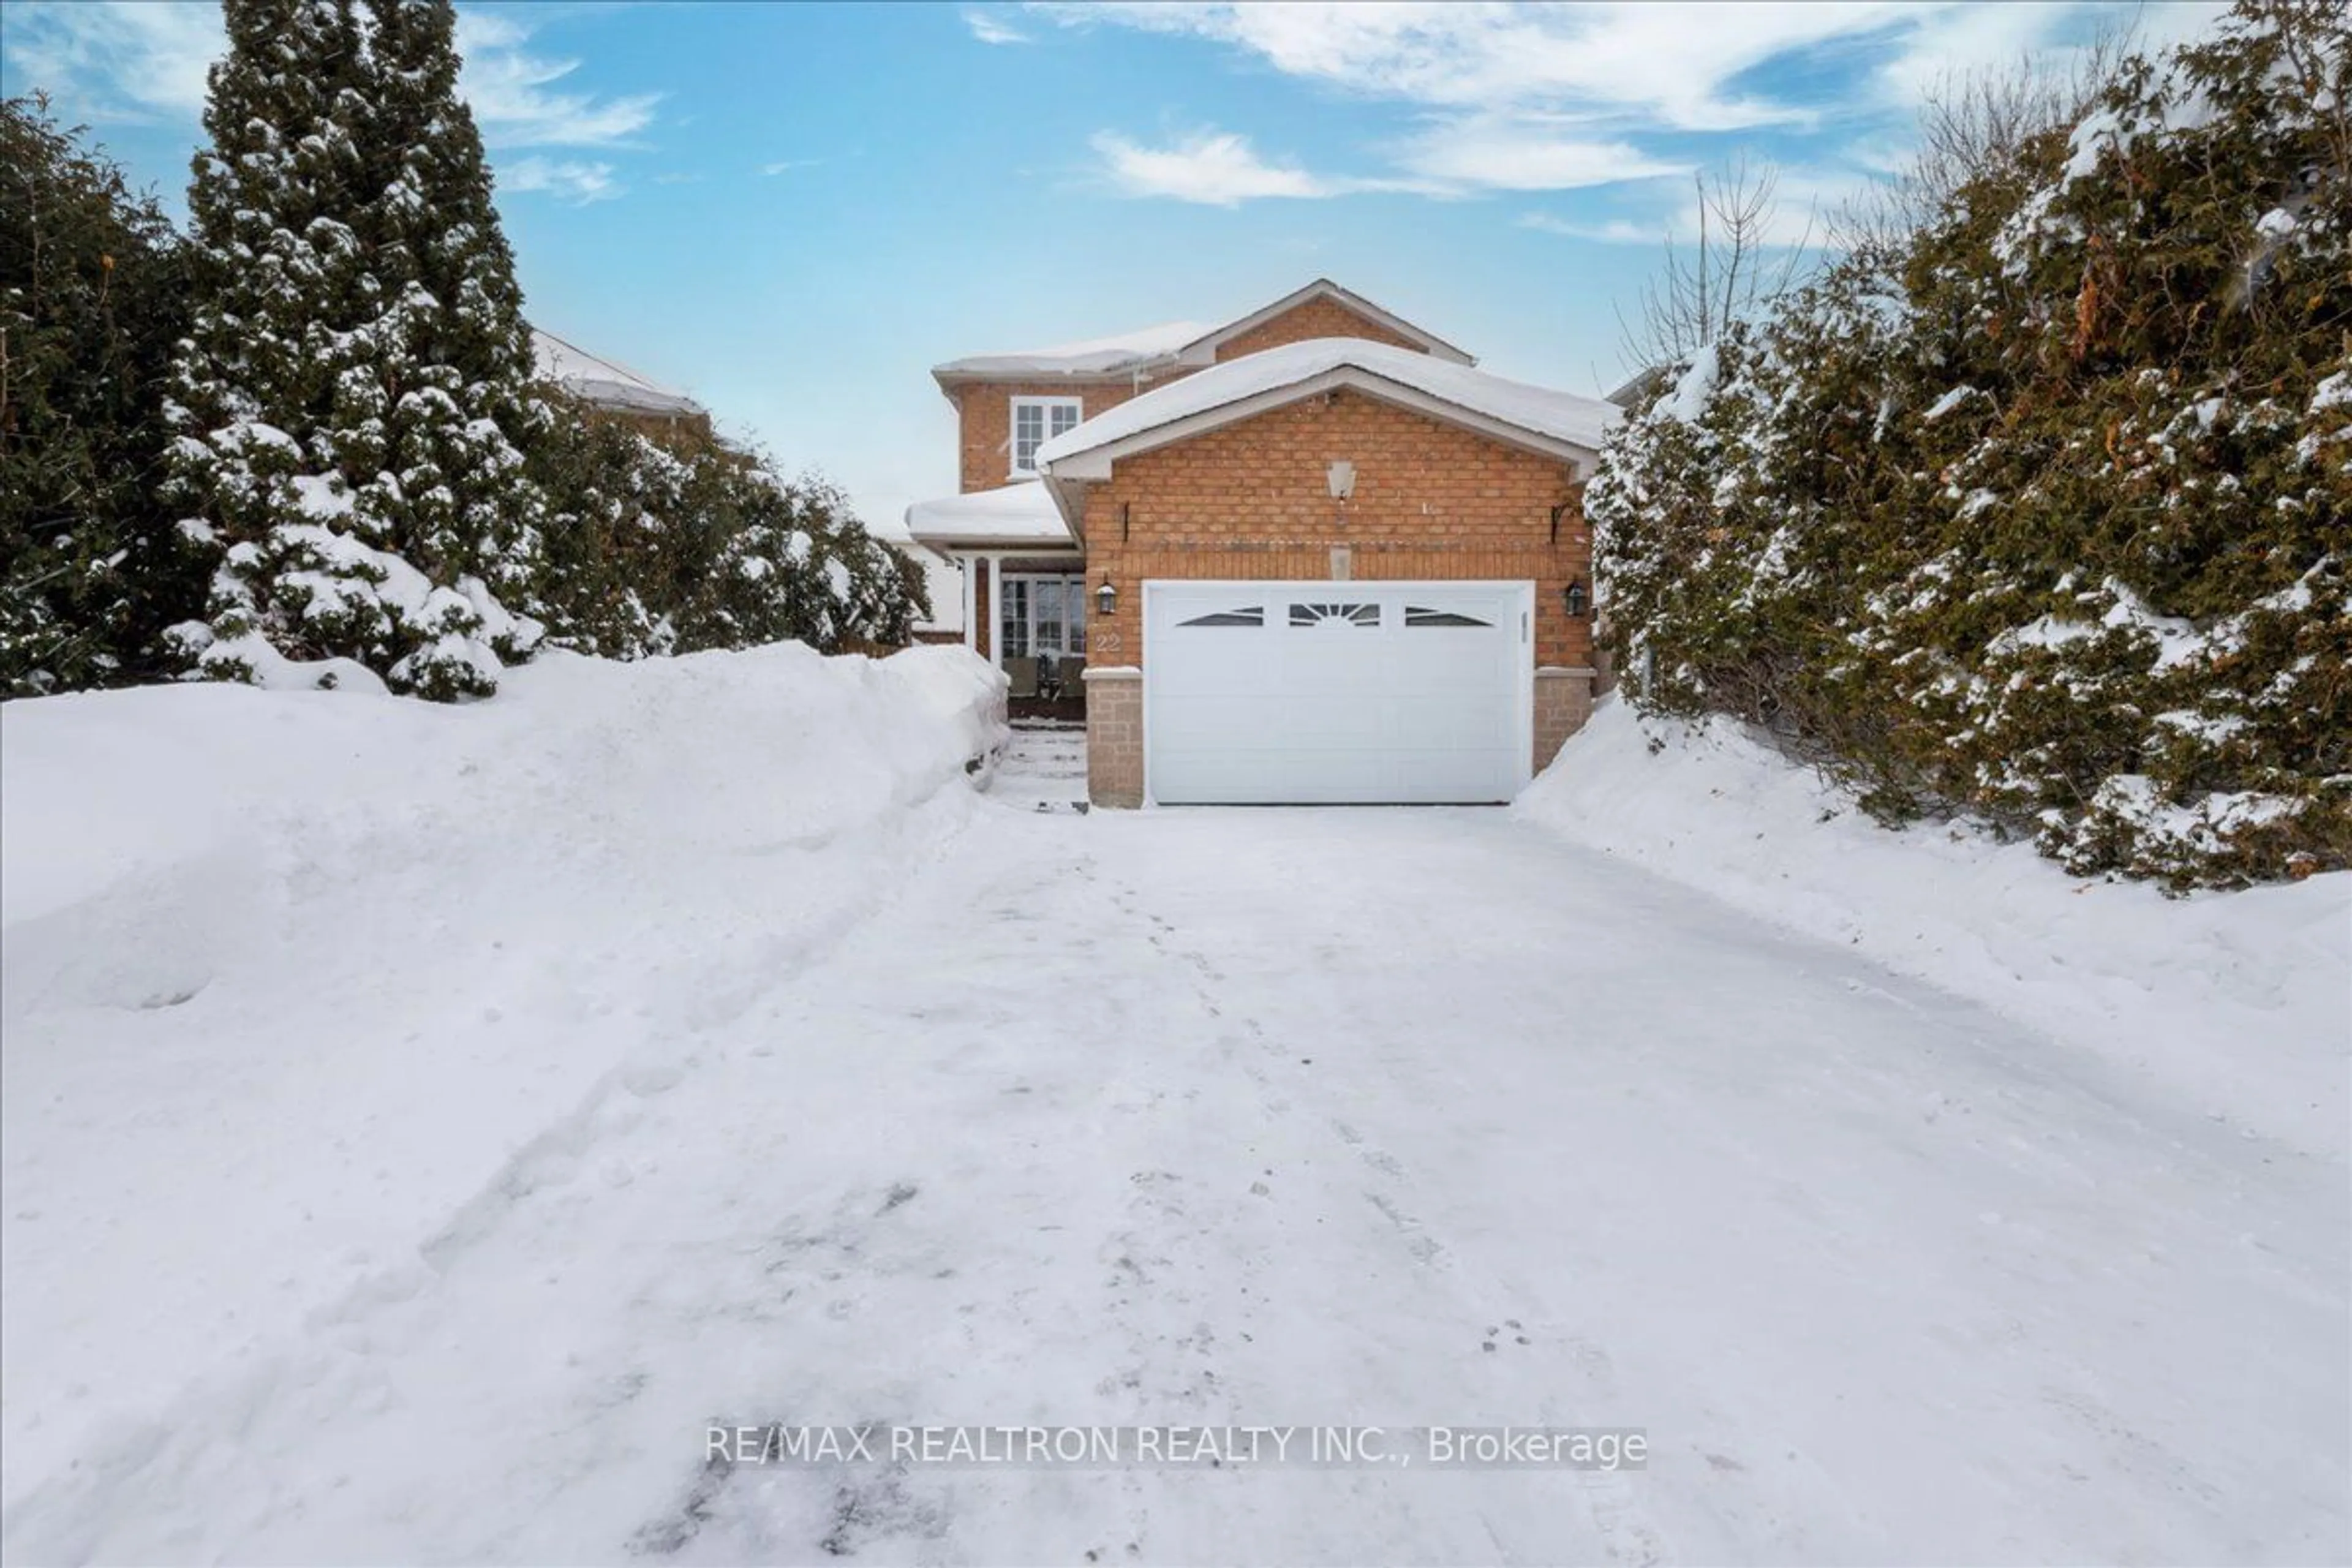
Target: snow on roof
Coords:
[[1203, 350], [1563, 416], [1094, 356], [603, 382], [1017, 514]]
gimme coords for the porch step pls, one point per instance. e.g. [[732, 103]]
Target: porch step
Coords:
[[1044, 767]]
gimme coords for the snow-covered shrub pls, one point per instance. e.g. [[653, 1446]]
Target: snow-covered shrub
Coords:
[[92, 297], [2046, 514], [672, 546]]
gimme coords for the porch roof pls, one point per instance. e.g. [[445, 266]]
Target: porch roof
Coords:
[[1013, 516]]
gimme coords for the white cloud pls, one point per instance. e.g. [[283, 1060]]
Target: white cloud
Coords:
[[1953, 43], [1611, 231], [786, 165], [1669, 64], [1523, 152], [1558, 97], [989, 29], [115, 60], [577, 182], [1221, 168], [1216, 168], [1804, 200], [2049, 36], [512, 93]]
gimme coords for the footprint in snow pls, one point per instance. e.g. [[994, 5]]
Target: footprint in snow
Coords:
[[1495, 1332]]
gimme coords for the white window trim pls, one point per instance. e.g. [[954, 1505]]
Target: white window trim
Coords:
[[1046, 405], [1074, 591]]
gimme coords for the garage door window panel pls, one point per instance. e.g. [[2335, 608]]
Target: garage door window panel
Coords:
[[1350, 615]]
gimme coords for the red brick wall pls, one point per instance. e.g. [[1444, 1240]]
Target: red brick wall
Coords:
[[984, 413], [1251, 500], [984, 408], [1317, 318]]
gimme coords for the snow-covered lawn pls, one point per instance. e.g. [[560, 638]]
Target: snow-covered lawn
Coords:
[[416, 1138]]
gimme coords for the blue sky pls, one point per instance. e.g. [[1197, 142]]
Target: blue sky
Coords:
[[793, 211]]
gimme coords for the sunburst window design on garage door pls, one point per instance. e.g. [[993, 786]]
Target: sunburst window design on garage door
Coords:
[[1335, 615], [1416, 615], [1252, 615]]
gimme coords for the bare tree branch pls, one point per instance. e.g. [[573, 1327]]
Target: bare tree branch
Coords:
[[1732, 273]]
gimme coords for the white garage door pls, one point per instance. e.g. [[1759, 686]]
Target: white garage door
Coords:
[[1260, 693]]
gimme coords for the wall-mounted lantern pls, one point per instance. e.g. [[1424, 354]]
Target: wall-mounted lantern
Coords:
[[1107, 598], [1342, 477], [1576, 599]]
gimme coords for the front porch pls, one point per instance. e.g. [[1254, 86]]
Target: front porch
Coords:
[[1070, 709], [1025, 596], [1027, 615]]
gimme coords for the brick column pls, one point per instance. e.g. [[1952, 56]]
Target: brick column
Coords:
[[1563, 702], [1114, 735]]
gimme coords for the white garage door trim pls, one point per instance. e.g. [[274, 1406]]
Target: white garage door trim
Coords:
[[1502, 658]]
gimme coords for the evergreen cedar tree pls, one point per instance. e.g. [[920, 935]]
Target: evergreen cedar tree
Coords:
[[358, 444], [92, 297], [2045, 514]]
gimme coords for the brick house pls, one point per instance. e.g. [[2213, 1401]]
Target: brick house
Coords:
[[1311, 555], [616, 392]]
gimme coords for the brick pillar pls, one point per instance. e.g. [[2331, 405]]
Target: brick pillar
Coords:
[[1114, 735], [1563, 702]]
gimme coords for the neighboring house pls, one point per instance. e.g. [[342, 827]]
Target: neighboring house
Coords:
[[943, 582], [1639, 387], [1310, 556], [617, 391]]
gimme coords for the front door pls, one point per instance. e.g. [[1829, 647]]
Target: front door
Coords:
[[1042, 615]]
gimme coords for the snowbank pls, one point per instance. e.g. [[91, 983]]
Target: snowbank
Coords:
[[2241, 1001], [290, 979]]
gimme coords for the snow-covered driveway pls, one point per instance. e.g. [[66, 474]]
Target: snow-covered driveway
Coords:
[[1409, 1117]]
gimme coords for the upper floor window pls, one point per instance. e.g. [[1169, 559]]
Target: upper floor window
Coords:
[[1037, 420]]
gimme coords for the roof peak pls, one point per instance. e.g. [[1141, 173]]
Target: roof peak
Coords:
[[1184, 343], [1423, 340]]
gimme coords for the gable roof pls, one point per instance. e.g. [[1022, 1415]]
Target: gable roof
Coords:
[[604, 383], [1203, 350], [1173, 343], [1559, 423]]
